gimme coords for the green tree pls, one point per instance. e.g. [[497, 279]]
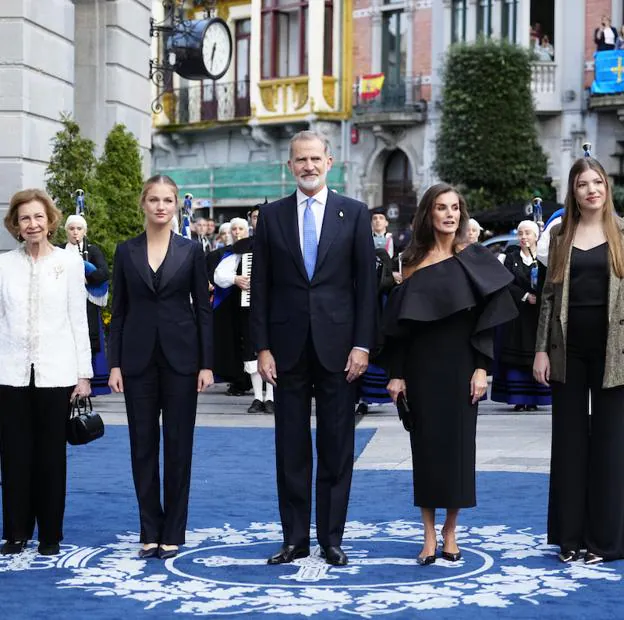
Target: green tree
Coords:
[[487, 144], [118, 185], [71, 166]]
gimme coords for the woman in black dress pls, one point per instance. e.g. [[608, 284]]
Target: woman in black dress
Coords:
[[512, 380], [438, 324], [580, 346], [161, 357]]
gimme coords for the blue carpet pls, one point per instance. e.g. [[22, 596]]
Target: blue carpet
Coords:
[[234, 525]]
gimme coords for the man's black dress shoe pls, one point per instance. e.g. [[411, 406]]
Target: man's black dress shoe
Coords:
[[334, 556], [48, 548], [13, 546], [269, 407], [257, 406], [288, 553]]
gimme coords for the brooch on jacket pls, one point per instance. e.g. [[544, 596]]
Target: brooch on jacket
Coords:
[[58, 270]]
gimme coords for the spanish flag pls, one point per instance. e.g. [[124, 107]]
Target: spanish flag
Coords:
[[371, 85]]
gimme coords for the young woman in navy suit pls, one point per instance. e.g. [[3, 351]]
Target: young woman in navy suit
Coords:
[[161, 357]]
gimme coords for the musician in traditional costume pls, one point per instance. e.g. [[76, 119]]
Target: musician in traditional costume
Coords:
[[96, 281], [233, 274]]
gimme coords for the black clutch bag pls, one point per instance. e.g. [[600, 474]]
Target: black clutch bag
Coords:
[[405, 415], [84, 424]]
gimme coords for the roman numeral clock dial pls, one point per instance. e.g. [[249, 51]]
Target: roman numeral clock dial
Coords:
[[216, 48]]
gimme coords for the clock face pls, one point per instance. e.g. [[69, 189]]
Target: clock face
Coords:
[[217, 48]]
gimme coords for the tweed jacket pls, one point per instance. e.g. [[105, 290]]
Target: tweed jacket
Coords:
[[553, 323]]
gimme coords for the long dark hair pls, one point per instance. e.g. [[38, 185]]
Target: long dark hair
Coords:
[[557, 262], [423, 235]]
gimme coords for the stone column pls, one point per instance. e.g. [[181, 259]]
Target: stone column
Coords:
[[36, 86]]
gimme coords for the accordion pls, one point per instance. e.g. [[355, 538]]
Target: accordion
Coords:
[[246, 271]]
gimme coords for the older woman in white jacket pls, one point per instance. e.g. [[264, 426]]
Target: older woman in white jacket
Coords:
[[45, 360]]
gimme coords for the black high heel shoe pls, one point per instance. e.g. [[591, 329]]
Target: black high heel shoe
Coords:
[[425, 560], [569, 555], [593, 558], [447, 555]]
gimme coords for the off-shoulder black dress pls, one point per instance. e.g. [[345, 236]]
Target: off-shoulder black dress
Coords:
[[439, 327]]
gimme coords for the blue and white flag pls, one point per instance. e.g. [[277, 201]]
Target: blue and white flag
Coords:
[[608, 72]]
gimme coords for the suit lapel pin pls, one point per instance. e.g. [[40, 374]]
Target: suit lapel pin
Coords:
[[340, 214]]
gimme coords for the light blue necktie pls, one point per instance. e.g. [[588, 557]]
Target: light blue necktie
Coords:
[[310, 244]]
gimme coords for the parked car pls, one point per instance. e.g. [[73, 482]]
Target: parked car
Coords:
[[500, 243]]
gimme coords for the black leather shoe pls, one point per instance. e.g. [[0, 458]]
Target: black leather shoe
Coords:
[[13, 546], [361, 409], [165, 554], [593, 558], [569, 555], [269, 407], [334, 556], [288, 553], [48, 548], [151, 552], [451, 557], [257, 406]]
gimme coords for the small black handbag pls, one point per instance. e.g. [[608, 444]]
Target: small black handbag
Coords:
[[405, 415], [84, 424]]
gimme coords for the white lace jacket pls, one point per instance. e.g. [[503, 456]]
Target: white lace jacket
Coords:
[[43, 319]]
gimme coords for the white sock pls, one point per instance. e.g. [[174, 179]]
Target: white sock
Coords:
[[269, 392], [256, 383]]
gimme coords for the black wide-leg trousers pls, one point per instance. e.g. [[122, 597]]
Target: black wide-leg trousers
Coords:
[[160, 388], [34, 460], [335, 432], [586, 498]]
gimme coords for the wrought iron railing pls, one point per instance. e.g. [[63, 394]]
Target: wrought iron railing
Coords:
[[394, 97], [207, 101]]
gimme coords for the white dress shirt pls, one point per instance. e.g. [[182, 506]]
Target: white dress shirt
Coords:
[[318, 210], [43, 319]]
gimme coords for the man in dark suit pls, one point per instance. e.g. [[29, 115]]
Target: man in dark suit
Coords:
[[312, 321]]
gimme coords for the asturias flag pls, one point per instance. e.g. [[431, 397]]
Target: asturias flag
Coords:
[[370, 85], [608, 72]]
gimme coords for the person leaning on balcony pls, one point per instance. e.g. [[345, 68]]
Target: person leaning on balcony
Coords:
[[605, 36], [579, 352], [45, 361], [619, 44]]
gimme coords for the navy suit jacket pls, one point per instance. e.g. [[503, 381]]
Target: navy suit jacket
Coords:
[[337, 307], [141, 315]]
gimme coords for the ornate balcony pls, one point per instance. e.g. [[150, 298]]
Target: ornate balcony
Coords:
[[208, 101], [545, 87], [396, 104]]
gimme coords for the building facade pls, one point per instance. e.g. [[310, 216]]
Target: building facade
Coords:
[[303, 65], [87, 58]]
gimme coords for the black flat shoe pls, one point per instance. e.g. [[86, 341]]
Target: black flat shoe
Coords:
[[288, 553], [519, 408], [334, 556], [451, 557], [269, 407], [569, 555], [257, 406], [13, 546], [593, 558], [426, 560], [165, 554], [48, 548], [361, 409], [151, 552]]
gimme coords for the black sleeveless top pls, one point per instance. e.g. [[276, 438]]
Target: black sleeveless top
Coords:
[[589, 276]]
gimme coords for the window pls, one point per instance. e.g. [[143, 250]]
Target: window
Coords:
[[458, 21], [284, 41], [510, 17], [484, 18], [328, 39], [394, 46]]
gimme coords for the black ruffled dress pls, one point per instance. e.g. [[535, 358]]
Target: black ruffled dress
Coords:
[[439, 327]]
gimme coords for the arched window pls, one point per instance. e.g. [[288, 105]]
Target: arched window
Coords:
[[398, 185]]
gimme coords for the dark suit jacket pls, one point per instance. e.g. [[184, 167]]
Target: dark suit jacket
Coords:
[[140, 314], [337, 307]]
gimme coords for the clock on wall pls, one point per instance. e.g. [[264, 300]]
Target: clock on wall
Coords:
[[203, 48]]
